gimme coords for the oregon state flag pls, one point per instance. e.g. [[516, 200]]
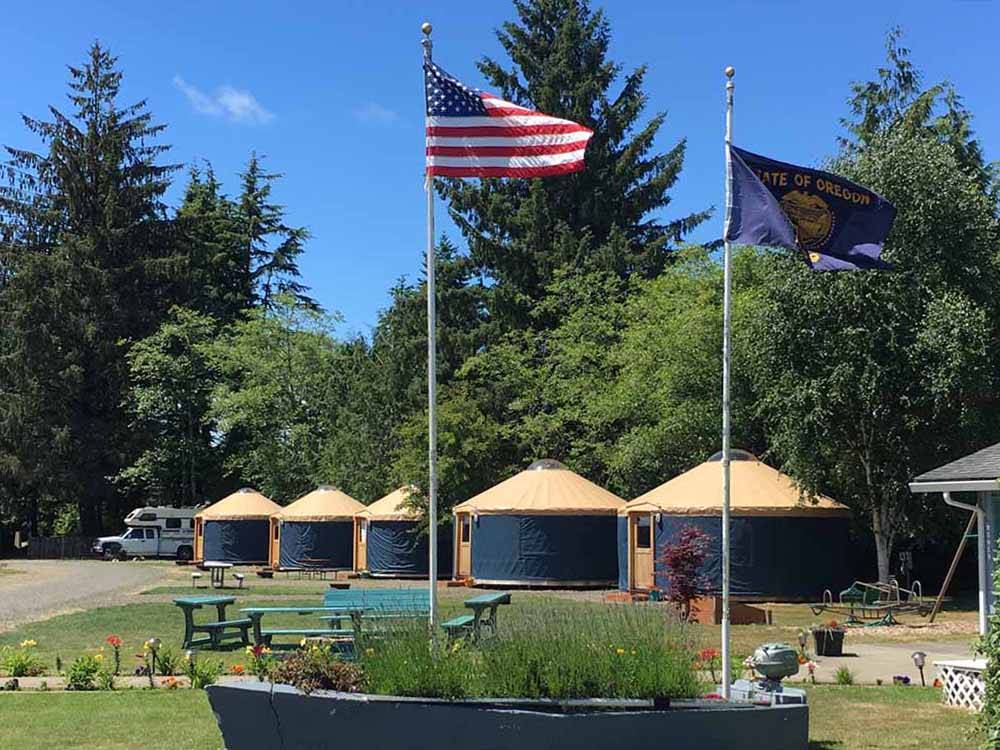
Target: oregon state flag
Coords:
[[836, 224]]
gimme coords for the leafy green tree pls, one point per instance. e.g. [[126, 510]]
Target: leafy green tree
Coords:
[[866, 379], [172, 382], [90, 265], [607, 217]]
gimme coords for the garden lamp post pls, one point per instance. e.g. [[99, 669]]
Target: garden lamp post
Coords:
[[919, 659], [803, 639], [154, 646]]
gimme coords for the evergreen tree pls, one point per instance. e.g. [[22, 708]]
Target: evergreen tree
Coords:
[[219, 270], [272, 246], [90, 266], [607, 217]]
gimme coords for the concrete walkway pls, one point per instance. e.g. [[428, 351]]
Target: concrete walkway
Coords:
[[870, 662]]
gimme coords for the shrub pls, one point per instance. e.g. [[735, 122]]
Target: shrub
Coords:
[[318, 668], [82, 673], [843, 676], [203, 672], [261, 661], [682, 559], [561, 652], [988, 646], [104, 679], [168, 662], [21, 661]]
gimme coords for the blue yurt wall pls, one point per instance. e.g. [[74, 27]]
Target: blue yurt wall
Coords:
[[316, 544], [236, 529], [545, 526]]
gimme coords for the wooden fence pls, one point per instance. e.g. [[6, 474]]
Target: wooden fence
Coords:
[[59, 547]]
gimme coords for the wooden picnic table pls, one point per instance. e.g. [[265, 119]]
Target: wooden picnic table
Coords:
[[217, 631], [217, 571]]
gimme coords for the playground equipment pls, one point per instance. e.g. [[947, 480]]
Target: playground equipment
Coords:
[[874, 604]]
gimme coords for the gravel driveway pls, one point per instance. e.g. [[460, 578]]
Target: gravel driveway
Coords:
[[45, 588]]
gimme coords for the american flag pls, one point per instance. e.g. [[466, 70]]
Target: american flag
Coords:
[[474, 134]]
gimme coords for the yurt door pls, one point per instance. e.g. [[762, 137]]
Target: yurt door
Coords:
[[642, 550], [275, 542], [463, 567], [360, 544]]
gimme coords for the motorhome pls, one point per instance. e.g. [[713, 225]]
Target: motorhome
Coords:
[[152, 532]]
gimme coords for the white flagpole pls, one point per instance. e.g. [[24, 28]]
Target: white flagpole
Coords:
[[726, 366], [431, 381]]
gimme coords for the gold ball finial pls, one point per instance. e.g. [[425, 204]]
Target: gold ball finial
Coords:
[[730, 71], [426, 27]]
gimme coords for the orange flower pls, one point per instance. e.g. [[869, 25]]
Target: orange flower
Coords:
[[114, 641], [237, 669], [171, 683]]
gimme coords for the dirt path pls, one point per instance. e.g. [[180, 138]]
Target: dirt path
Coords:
[[39, 589]]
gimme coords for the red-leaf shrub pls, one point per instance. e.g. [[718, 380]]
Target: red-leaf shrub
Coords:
[[681, 560]]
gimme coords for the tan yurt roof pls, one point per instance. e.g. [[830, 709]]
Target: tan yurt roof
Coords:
[[544, 488], [241, 505], [391, 507], [756, 489], [324, 503]]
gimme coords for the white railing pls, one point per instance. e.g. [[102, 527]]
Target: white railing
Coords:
[[963, 684]]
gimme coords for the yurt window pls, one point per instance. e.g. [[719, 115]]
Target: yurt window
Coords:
[[466, 529], [643, 532], [275, 532]]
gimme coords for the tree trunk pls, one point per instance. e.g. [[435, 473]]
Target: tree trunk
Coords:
[[883, 543]]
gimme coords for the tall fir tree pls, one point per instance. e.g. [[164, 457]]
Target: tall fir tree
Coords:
[[609, 217], [90, 266], [273, 247]]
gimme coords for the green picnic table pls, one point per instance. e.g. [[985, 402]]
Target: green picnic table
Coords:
[[484, 614], [262, 636], [217, 631]]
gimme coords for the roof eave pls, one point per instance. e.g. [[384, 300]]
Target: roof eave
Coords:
[[954, 485]]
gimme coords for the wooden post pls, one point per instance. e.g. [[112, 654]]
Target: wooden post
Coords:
[[953, 567]]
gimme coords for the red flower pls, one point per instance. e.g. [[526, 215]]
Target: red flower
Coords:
[[114, 641], [257, 651], [708, 654]]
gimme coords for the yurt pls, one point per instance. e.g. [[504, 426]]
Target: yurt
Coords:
[[546, 526], [782, 547], [315, 532], [235, 529], [389, 541]]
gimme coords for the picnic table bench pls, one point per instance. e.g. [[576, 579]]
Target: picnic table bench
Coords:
[[356, 605], [217, 572], [217, 631], [484, 604]]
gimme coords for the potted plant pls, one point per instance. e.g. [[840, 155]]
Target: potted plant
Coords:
[[829, 639]]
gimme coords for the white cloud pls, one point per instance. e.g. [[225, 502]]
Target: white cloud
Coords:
[[231, 103], [375, 114]]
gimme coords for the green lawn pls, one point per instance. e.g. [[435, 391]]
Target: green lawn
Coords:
[[851, 718]]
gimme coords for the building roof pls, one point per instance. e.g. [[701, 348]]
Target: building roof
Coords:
[[544, 488], [322, 504], [983, 464], [392, 507], [244, 504], [756, 489]]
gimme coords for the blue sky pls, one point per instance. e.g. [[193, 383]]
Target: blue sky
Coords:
[[331, 93]]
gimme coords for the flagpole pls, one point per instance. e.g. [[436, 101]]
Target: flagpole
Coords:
[[726, 367], [431, 380]]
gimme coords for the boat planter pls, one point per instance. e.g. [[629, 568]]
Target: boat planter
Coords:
[[829, 641], [262, 716]]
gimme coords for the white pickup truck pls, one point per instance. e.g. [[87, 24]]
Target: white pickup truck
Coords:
[[152, 532]]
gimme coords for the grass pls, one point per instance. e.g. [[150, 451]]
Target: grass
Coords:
[[885, 718], [840, 718]]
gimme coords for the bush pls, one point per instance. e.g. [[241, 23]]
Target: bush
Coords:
[[988, 646], [318, 668], [843, 676], [83, 672], [682, 560], [203, 672], [21, 661], [168, 662], [104, 679], [562, 652]]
